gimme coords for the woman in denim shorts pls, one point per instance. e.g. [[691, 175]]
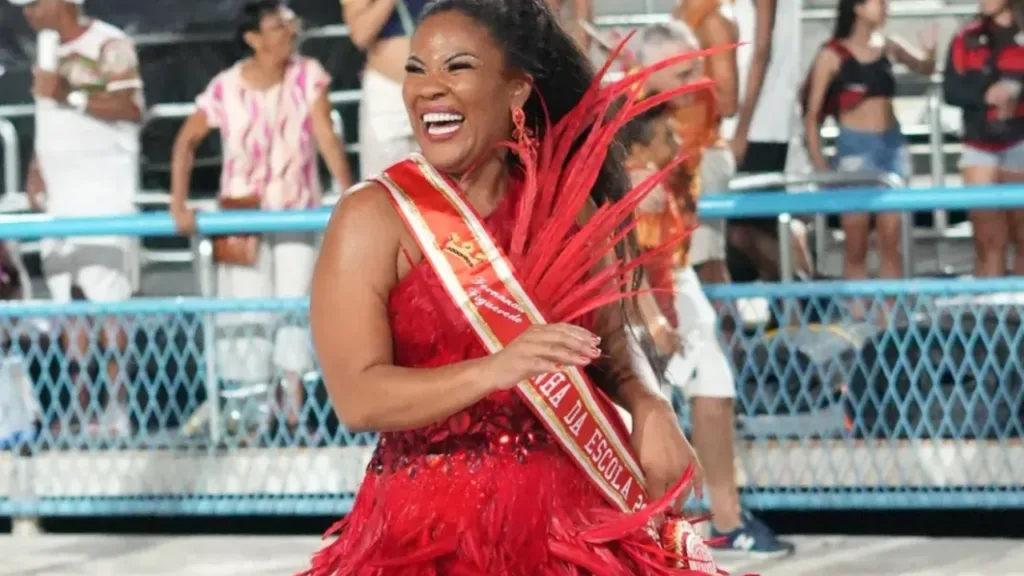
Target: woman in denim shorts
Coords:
[[983, 77], [853, 80]]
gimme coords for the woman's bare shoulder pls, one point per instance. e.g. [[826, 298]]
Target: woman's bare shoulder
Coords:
[[367, 201], [365, 215]]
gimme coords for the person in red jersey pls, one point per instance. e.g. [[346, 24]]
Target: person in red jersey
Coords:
[[469, 304], [984, 77]]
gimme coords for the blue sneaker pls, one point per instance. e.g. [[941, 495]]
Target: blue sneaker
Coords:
[[753, 537]]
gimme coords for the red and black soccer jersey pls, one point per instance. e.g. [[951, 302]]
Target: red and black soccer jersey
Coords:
[[980, 55]]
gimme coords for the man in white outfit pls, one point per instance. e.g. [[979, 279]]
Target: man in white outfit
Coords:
[[89, 110], [760, 132], [704, 373]]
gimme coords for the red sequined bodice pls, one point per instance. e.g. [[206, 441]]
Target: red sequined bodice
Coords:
[[428, 330]]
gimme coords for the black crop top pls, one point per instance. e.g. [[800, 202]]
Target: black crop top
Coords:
[[394, 25], [857, 81]]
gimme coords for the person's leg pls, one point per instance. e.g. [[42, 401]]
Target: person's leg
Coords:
[[294, 257], [991, 227], [711, 394], [59, 271], [855, 152], [856, 228], [243, 349], [707, 248], [23, 279], [887, 235], [758, 238], [103, 277], [1012, 172], [891, 156]]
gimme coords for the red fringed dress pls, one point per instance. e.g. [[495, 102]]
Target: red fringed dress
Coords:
[[489, 491]]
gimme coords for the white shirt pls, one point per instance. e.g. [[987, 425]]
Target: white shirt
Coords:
[[90, 165], [776, 107]]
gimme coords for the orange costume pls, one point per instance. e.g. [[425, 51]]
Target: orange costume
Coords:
[[695, 120]]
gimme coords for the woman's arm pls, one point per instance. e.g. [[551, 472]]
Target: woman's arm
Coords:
[[715, 31], [962, 88], [331, 148], [355, 272], [354, 275], [920, 60], [763, 28], [628, 391], [583, 10], [365, 18], [825, 68], [183, 156]]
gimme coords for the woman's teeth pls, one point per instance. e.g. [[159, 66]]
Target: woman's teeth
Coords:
[[442, 123]]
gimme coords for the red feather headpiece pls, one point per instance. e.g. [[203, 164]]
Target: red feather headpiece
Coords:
[[552, 256]]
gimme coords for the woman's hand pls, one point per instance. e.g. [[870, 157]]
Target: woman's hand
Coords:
[[666, 340], [663, 450], [928, 39], [1003, 96], [184, 219], [540, 350], [35, 187]]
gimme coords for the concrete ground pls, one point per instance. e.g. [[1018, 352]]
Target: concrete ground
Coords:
[[283, 556]]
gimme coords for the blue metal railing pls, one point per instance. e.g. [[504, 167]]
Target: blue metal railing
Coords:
[[899, 393], [732, 206]]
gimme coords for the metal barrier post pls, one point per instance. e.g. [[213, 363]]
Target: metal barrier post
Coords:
[[786, 263], [936, 139], [820, 240], [205, 271], [339, 131], [12, 156]]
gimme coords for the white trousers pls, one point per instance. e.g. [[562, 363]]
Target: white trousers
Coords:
[[284, 269], [717, 167], [702, 370]]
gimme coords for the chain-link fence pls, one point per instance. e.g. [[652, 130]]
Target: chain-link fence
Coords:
[[879, 394], [850, 395], [174, 406]]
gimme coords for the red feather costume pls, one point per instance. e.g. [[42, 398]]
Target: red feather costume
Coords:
[[489, 491]]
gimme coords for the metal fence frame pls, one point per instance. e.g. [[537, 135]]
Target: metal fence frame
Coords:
[[721, 206], [774, 181]]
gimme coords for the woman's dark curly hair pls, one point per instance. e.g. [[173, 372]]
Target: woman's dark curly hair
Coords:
[[533, 41]]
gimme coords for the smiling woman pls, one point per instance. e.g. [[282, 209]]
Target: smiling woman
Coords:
[[464, 305]]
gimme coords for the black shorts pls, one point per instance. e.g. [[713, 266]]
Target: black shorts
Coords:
[[761, 158]]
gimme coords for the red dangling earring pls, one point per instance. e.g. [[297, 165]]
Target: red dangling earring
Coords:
[[521, 132]]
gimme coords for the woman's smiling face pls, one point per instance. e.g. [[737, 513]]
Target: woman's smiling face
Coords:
[[459, 92]]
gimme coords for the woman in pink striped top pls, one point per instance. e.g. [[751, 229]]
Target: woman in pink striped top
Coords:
[[273, 115]]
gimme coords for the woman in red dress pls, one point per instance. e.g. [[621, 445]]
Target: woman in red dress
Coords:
[[461, 307]]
